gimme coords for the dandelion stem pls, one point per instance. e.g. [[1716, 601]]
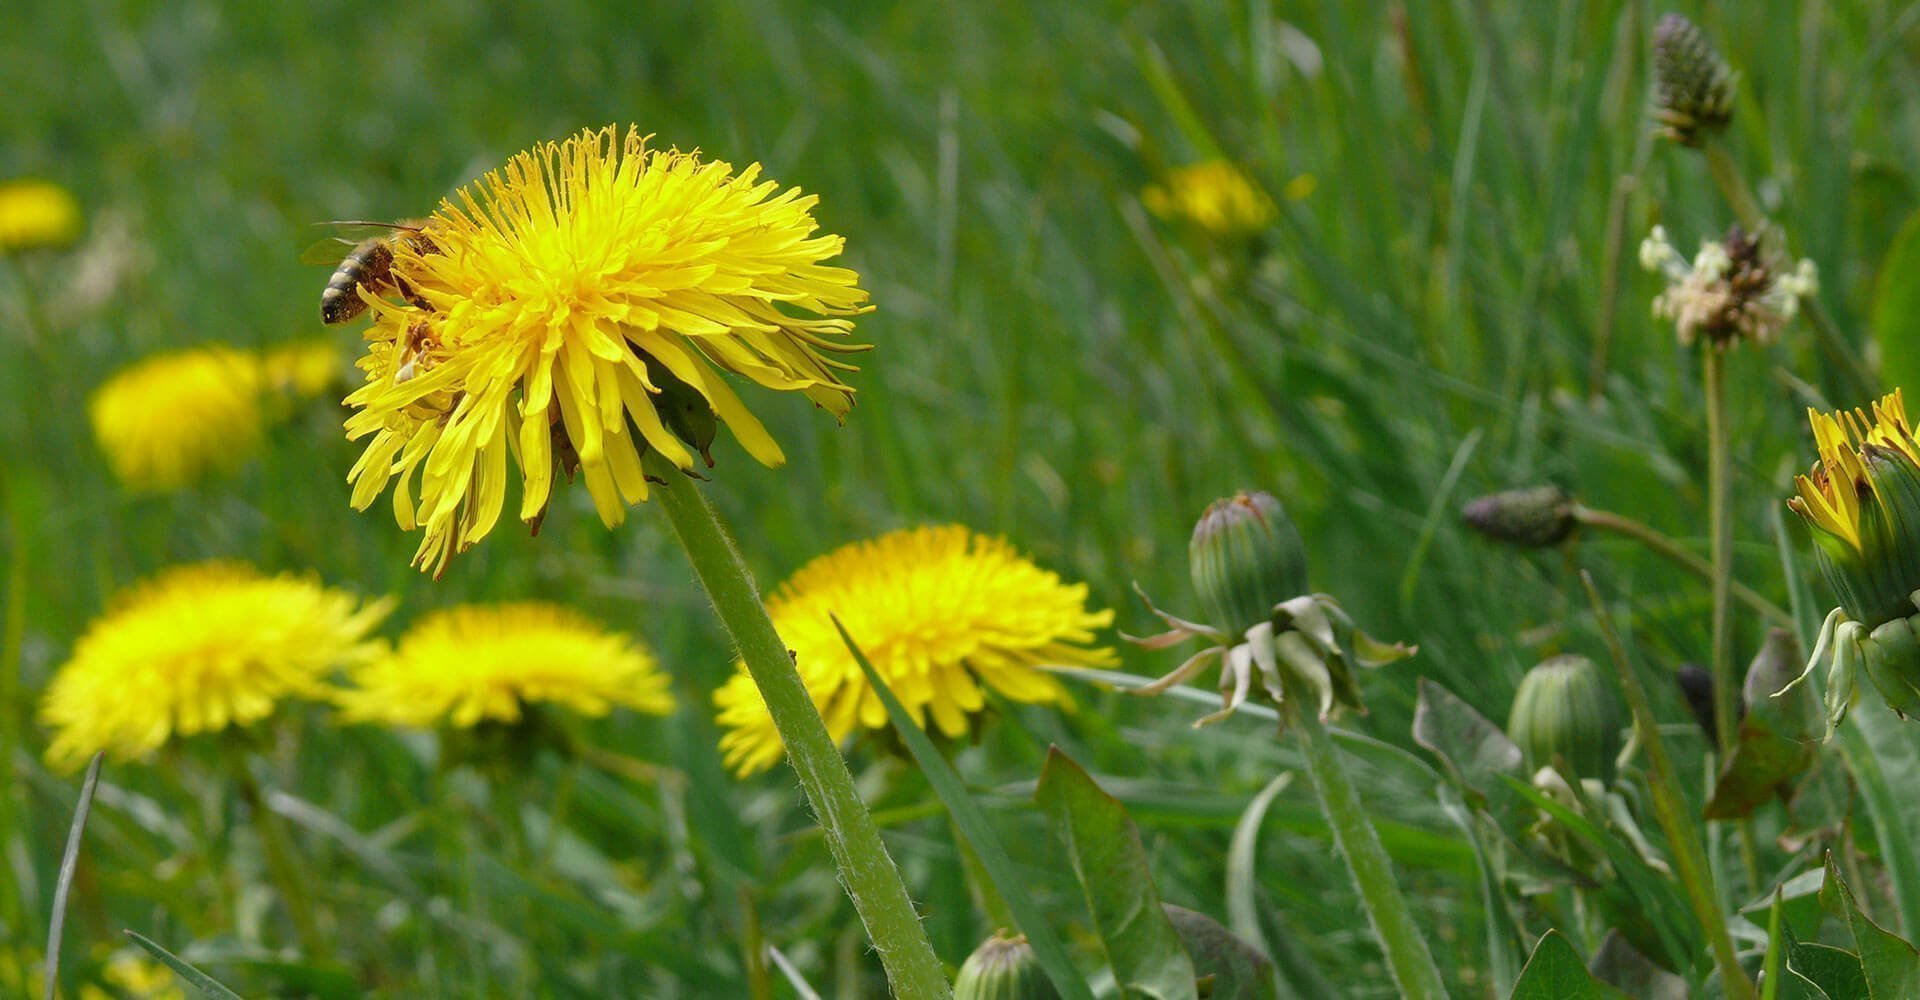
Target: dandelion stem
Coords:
[[1670, 808], [278, 849], [1674, 552], [867, 871], [1407, 956]]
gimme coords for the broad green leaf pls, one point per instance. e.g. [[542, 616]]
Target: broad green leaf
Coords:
[[1799, 903], [194, 977], [1472, 750], [1891, 965], [1833, 973], [972, 825], [1554, 972], [1239, 971], [1104, 848], [1775, 742], [1896, 307]]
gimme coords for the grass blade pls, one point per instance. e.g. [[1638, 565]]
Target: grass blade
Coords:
[[69, 861], [194, 977], [972, 825]]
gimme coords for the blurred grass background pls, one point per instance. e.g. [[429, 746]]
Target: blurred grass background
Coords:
[[1052, 364]]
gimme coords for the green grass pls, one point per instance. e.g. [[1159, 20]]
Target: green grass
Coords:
[[1051, 364]]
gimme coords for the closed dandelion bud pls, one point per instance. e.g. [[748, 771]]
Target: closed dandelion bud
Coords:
[[1246, 557], [1565, 708], [1003, 968], [1533, 518], [1693, 86]]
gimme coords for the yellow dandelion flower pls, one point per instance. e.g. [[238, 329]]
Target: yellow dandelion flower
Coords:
[[1215, 196], [303, 369], [578, 306], [35, 213], [135, 975], [940, 612], [197, 649], [486, 663], [168, 420], [1830, 496]]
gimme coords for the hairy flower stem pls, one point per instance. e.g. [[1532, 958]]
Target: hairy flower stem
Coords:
[[1670, 808], [282, 863], [1746, 208], [1407, 957], [867, 871], [1674, 552]]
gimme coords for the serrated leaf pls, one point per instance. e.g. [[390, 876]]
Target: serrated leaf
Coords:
[[1774, 744], [1555, 972], [1891, 966], [1238, 969], [1104, 847], [1472, 750], [1834, 972]]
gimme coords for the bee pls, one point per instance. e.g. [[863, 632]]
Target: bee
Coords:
[[368, 264]]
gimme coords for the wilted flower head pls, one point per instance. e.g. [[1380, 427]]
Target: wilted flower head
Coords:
[[942, 613], [577, 307], [1303, 642], [1862, 503], [35, 213], [1533, 517], [489, 663], [168, 420], [1214, 196], [197, 649], [1729, 293], [1693, 86]]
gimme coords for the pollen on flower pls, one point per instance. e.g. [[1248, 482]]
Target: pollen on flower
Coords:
[[581, 305], [942, 613]]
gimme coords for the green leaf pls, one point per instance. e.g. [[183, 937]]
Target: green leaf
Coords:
[[972, 825], [1774, 744], [1799, 903], [1104, 847], [1238, 969], [1891, 965], [1473, 751], [1554, 972], [1896, 307], [1829, 972], [194, 977], [1618, 964]]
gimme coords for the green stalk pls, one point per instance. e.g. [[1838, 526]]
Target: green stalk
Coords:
[[1408, 960], [278, 848], [1670, 808], [867, 871], [1719, 499], [1674, 552]]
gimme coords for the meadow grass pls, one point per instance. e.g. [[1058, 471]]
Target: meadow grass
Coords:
[[1051, 363]]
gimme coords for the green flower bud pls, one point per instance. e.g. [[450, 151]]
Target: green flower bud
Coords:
[[1533, 518], [1693, 86], [1246, 557], [1003, 968], [1565, 707]]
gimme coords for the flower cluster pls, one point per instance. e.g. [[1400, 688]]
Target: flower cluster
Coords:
[[1729, 292]]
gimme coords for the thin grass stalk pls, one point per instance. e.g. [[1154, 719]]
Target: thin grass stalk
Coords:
[[1408, 959], [1670, 808], [866, 870]]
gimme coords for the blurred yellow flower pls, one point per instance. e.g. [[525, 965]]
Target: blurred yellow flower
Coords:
[[578, 306], [940, 612], [486, 663], [35, 213], [1215, 196], [197, 649], [139, 977], [167, 420], [303, 369]]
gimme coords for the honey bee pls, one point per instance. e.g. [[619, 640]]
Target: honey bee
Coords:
[[368, 264]]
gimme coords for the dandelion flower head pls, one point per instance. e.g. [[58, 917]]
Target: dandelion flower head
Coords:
[[583, 303], [168, 420], [942, 613], [197, 649], [1215, 196], [36, 213], [1831, 497], [488, 663], [302, 369]]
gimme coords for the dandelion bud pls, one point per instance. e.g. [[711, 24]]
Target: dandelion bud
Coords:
[[1534, 518], [1693, 86], [1564, 707], [1003, 968], [1246, 557]]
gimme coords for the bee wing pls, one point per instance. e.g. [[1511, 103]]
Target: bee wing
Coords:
[[327, 252]]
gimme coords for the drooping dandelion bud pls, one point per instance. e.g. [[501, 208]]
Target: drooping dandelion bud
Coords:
[[1535, 517], [1729, 293], [1692, 85], [1004, 967], [1246, 556], [1566, 709], [1862, 503]]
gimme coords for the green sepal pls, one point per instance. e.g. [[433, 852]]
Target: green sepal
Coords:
[[1891, 654]]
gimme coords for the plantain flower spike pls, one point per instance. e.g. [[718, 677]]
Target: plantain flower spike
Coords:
[[1250, 571], [1729, 293], [1861, 502], [1692, 85], [1566, 710], [1004, 967], [1533, 517]]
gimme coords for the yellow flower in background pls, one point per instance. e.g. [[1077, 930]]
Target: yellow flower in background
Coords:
[[135, 975], [303, 369], [197, 649], [35, 213], [487, 663], [578, 306], [168, 420], [942, 613], [1214, 196]]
